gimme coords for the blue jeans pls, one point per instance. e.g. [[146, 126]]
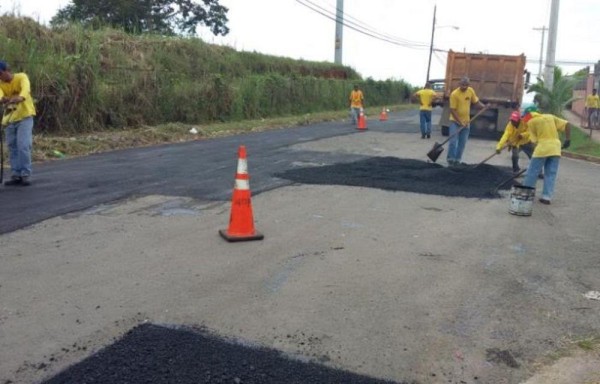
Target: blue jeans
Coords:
[[19, 141], [550, 165], [456, 145], [425, 121], [355, 114]]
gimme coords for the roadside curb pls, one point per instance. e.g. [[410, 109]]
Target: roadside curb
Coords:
[[571, 155]]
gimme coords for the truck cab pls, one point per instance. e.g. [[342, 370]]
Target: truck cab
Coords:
[[439, 86]]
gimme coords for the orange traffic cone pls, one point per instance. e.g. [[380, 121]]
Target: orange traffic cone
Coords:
[[241, 222], [362, 122], [383, 115]]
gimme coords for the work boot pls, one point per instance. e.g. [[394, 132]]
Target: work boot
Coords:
[[544, 201], [14, 180], [25, 182], [429, 136]]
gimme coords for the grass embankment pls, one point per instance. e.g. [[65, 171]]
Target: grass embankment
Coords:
[[581, 144]]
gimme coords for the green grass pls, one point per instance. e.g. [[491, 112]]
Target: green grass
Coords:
[[582, 144]]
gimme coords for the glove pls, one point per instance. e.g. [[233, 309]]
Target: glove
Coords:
[[498, 151], [566, 144], [509, 148]]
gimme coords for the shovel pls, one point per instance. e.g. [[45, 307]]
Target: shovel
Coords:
[[2, 149], [438, 148], [493, 191], [487, 158]]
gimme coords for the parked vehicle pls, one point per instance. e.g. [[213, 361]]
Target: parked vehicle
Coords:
[[497, 79], [439, 86]]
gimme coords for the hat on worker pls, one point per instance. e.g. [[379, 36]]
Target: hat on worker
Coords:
[[515, 116], [528, 112]]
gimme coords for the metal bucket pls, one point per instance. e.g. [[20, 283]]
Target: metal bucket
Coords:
[[521, 200]]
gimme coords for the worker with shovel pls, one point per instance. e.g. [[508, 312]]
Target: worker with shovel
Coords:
[[516, 136], [461, 100], [15, 97], [543, 130]]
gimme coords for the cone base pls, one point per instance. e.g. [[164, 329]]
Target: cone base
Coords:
[[231, 238]]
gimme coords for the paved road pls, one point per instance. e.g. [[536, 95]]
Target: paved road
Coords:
[[390, 284], [203, 170]]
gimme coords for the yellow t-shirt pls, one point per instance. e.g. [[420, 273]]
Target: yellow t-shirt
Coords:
[[18, 86], [356, 99], [511, 135], [592, 101], [426, 96], [543, 130], [461, 102]]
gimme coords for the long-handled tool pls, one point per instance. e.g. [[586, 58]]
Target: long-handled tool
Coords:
[[487, 158], [438, 148], [2, 148], [522, 171]]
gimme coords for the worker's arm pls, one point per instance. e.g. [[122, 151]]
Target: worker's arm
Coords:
[[454, 114], [504, 138], [567, 142]]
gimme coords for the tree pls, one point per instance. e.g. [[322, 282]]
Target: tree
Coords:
[[554, 100], [166, 17]]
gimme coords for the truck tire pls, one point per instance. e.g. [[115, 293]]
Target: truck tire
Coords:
[[445, 130]]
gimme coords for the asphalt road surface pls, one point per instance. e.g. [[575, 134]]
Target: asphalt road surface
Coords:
[[103, 253]]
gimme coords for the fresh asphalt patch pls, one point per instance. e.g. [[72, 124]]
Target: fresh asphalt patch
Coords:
[[394, 174], [157, 354]]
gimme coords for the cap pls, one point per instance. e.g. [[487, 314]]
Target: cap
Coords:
[[3, 66], [530, 109], [464, 81], [515, 116]]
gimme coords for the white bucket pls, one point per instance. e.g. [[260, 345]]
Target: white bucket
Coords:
[[521, 200]]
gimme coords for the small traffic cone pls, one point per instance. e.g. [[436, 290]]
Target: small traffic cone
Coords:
[[362, 122], [383, 115], [241, 222]]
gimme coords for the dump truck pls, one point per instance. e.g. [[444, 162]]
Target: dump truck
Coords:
[[498, 80]]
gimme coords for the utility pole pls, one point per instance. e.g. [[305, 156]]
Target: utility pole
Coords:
[[551, 52], [431, 44], [339, 29], [543, 29]]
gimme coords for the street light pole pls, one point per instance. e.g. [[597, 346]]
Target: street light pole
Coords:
[[431, 44], [339, 30]]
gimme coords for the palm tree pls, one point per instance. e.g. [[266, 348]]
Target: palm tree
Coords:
[[554, 100]]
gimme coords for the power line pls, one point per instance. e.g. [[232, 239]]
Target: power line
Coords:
[[368, 27], [361, 29]]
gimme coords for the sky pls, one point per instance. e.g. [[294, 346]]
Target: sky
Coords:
[[289, 28]]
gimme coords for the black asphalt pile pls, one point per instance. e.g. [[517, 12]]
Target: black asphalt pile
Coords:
[[155, 354], [394, 174]]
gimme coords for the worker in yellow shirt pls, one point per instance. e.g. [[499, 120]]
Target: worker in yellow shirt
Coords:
[[592, 106], [356, 103], [19, 110], [461, 100], [543, 131], [425, 97], [516, 137]]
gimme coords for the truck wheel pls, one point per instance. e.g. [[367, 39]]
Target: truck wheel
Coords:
[[445, 130]]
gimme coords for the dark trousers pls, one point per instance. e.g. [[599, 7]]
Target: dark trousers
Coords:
[[525, 148]]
